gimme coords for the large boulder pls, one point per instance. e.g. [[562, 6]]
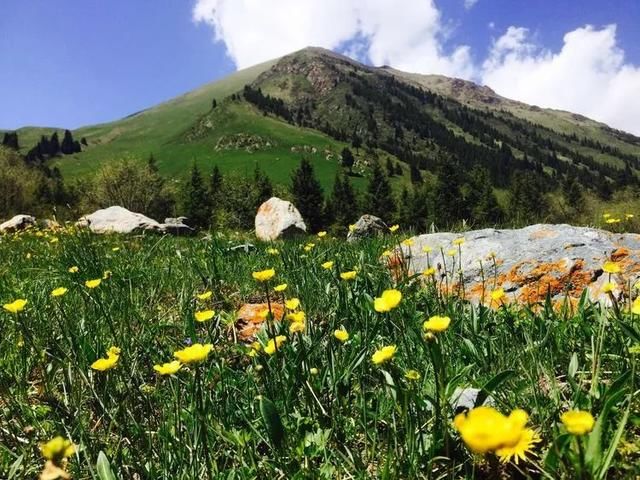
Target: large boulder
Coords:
[[17, 223], [176, 226], [278, 218], [528, 263], [366, 226], [120, 220]]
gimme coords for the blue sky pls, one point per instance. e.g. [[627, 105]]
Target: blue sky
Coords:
[[79, 62]]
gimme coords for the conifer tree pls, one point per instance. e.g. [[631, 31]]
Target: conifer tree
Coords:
[[342, 207], [264, 187], [196, 203], [216, 196], [448, 193], [347, 159], [391, 169], [483, 205], [380, 200], [54, 145], [67, 146], [308, 196]]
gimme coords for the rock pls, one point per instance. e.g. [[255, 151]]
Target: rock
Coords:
[[120, 220], [528, 263], [464, 399], [366, 226], [278, 218], [49, 224], [175, 221], [176, 226], [17, 223], [244, 247], [249, 320]]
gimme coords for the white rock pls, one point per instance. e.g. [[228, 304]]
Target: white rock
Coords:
[[19, 222], [278, 218], [118, 220]]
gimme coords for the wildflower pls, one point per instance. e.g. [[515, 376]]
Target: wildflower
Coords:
[[408, 242], [272, 251], [498, 294], [263, 314], [629, 216], [436, 324], [458, 241], [452, 252], [204, 315], [577, 422], [352, 227], [296, 327], [58, 292], [264, 275], [104, 364], [292, 303], [257, 346], [387, 253], [387, 301], [429, 272], [348, 275], [57, 449], [296, 316], [606, 215], [16, 306], [107, 274], [327, 265], [195, 353], [54, 240], [484, 429], [273, 346], [413, 375], [115, 249], [93, 283], [322, 234], [204, 295], [519, 451], [635, 349], [74, 269], [611, 267], [313, 371], [383, 355], [280, 288], [308, 247], [613, 220], [393, 228], [427, 249], [635, 306], [608, 287], [169, 368], [341, 334]]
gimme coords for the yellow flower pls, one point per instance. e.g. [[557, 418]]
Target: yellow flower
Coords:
[[257, 346], [387, 301], [273, 346], [322, 234], [635, 306], [54, 240], [58, 292], [107, 274], [609, 287], [296, 317], [393, 228], [519, 451], [195, 353], [280, 288], [296, 327], [169, 368], [204, 295], [327, 265], [348, 275], [629, 216], [611, 267], [292, 303], [263, 314], [497, 294], [452, 252], [104, 364], [313, 371], [57, 449], [606, 215], [412, 375], [115, 249], [352, 227], [613, 220], [577, 422], [264, 275], [458, 241], [387, 253], [383, 355], [484, 429], [93, 283], [74, 269], [408, 242], [272, 251], [427, 249], [16, 306], [205, 315], [436, 324], [341, 334], [308, 247], [429, 272]]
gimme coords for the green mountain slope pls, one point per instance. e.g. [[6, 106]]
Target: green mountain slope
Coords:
[[315, 102]]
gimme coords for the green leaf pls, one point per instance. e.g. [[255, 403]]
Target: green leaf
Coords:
[[104, 468], [272, 421], [15, 466], [593, 455], [613, 444], [492, 385]]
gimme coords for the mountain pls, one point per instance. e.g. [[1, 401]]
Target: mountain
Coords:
[[315, 102]]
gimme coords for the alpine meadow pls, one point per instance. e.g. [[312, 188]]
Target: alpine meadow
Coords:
[[318, 267]]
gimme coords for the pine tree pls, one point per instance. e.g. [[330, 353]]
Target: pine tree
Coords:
[[448, 193], [483, 205], [347, 159], [421, 208], [342, 206], [10, 140], [308, 196], [405, 205], [391, 169], [67, 147], [216, 196], [356, 142], [196, 203], [264, 187], [380, 200], [54, 145], [527, 201]]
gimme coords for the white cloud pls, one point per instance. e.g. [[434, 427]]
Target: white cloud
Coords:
[[588, 75], [469, 4], [407, 37]]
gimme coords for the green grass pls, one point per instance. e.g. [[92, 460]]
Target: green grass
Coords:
[[237, 416]]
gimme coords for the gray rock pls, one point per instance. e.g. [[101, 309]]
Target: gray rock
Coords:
[[120, 220], [528, 263], [175, 221], [176, 226], [367, 226], [17, 223], [465, 399], [278, 218]]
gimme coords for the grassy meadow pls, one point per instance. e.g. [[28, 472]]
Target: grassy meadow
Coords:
[[122, 365]]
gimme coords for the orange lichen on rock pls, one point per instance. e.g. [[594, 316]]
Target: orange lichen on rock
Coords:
[[620, 253], [250, 319]]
